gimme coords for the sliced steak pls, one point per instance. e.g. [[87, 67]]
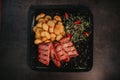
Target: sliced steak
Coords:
[[64, 40], [69, 48], [44, 53], [73, 53], [62, 54], [54, 56]]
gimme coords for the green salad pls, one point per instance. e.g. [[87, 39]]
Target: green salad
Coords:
[[77, 27]]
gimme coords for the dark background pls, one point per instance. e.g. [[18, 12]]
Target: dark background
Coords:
[[13, 41]]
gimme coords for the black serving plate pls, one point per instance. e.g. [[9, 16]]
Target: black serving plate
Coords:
[[81, 63]]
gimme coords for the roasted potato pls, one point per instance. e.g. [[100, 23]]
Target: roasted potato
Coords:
[[38, 30], [45, 27], [61, 27], [37, 36], [50, 23], [38, 33], [34, 28], [58, 37], [57, 30], [55, 21], [52, 36], [47, 30], [47, 41], [63, 33], [41, 15], [44, 39], [45, 34], [41, 20], [39, 24], [48, 17], [60, 23], [58, 18], [38, 41], [46, 20], [51, 29]]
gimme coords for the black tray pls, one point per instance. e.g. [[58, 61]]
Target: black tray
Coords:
[[85, 57]]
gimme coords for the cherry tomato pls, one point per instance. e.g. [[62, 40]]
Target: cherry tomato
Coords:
[[66, 15], [69, 35], [86, 33], [77, 22]]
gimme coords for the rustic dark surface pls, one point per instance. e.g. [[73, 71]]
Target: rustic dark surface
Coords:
[[13, 41]]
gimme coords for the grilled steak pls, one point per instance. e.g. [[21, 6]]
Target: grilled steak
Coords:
[[59, 51], [44, 53], [62, 54], [54, 56], [69, 48]]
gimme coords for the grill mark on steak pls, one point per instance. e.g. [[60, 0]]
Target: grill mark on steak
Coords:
[[62, 54], [64, 40], [44, 62], [67, 44], [69, 47]]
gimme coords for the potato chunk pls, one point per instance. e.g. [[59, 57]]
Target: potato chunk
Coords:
[[39, 24], [52, 35], [58, 37], [41, 15], [37, 41], [58, 18], [45, 34], [55, 21], [34, 28], [44, 39], [50, 23], [45, 27], [57, 29], [48, 17], [47, 41], [41, 20]]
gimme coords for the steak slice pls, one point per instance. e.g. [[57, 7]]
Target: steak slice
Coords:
[[64, 40], [44, 53], [62, 54], [68, 47], [54, 56]]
